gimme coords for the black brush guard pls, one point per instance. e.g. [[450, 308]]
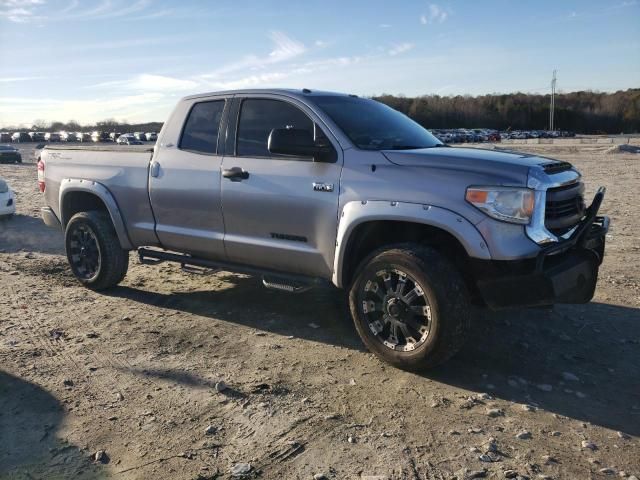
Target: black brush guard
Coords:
[[564, 272]]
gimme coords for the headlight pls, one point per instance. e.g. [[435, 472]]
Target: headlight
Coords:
[[509, 204]]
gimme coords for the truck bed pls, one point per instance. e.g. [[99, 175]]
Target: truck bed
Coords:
[[123, 170]]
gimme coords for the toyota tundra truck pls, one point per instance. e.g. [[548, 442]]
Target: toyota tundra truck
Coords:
[[307, 188]]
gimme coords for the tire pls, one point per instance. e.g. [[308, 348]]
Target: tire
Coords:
[[439, 295], [94, 253]]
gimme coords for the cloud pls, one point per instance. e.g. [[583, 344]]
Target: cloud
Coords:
[[19, 79], [22, 11], [283, 77], [259, 80], [596, 12], [400, 48], [138, 107], [436, 14], [108, 9], [19, 11], [147, 82], [284, 49], [131, 43], [73, 4]]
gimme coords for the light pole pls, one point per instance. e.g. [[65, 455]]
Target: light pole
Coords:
[[553, 102]]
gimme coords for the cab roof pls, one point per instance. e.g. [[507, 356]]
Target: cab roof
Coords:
[[290, 92]]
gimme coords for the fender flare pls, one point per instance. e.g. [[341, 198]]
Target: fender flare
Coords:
[[69, 185], [358, 212]]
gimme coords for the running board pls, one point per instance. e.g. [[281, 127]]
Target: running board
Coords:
[[284, 284], [270, 278]]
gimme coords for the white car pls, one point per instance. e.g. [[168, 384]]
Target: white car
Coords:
[[7, 200], [128, 139]]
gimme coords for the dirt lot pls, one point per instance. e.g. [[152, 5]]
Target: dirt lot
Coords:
[[133, 372]]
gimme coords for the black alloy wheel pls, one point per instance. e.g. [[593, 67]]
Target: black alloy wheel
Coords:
[[84, 252], [397, 310]]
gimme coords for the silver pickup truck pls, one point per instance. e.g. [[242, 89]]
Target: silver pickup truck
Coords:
[[311, 188]]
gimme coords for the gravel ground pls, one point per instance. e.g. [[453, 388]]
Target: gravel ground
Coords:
[[181, 376]]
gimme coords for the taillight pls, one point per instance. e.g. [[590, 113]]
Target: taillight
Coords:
[[41, 184]]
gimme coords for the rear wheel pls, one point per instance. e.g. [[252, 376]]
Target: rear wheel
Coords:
[[93, 250], [410, 306]]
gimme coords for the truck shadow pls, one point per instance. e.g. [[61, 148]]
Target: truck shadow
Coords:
[[29, 419], [586, 355], [26, 233]]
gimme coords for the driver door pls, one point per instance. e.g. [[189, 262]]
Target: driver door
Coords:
[[274, 216]]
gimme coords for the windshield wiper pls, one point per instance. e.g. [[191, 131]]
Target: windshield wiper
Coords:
[[403, 147]]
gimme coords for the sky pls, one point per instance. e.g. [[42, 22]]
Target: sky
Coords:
[[132, 60]]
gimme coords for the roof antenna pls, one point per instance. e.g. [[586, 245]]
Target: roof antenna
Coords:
[[306, 90]]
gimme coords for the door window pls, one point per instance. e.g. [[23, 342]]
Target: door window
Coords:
[[258, 117], [200, 133]]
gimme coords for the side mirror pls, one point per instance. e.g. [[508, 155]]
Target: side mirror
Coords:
[[298, 142]]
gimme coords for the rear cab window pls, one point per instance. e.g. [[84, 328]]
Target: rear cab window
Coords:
[[201, 129]]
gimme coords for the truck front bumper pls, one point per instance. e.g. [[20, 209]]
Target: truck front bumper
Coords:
[[564, 272]]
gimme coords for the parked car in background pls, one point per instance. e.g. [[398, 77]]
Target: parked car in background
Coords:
[[140, 136], [100, 137], [20, 137], [9, 154], [151, 136], [113, 136], [494, 136], [7, 200], [52, 137], [68, 137], [83, 136], [5, 137], [128, 139], [37, 136]]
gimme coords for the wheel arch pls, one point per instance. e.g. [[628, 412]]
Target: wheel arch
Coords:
[[367, 226], [77, 195]]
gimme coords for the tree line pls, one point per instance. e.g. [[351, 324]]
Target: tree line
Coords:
[[583, 112]]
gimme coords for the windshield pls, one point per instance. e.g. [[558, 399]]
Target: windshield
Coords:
[[371, 125]]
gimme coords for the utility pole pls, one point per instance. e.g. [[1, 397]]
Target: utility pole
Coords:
[[553, 101]]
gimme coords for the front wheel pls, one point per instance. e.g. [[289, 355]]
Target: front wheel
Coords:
[[93, 250], [410, 306]]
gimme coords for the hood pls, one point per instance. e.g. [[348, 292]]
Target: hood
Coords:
[[469, 159]]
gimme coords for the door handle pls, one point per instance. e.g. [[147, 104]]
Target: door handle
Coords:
[[154, 171], [235, 174]]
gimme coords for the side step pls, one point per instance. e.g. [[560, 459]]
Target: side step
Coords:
[[285, 285], [271, 279]]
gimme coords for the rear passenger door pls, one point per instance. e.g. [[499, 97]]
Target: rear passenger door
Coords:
[[274, 216], [184, 180]]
